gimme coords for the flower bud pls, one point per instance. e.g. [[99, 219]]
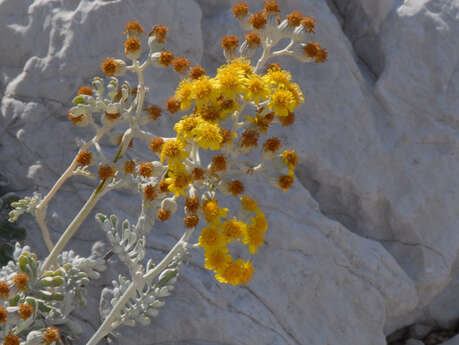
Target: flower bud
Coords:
[[169, 204], [113, 67]]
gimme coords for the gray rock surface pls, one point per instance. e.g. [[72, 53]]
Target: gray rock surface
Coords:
[[366, 242], [452, 341]]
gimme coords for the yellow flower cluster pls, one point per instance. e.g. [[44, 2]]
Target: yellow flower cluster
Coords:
[[219, 233]]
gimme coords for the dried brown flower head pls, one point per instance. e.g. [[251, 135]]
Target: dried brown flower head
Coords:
[[160, 32], [294, 19], [4, 290], [3, 314], [51, 335], [25, 310], [131, 45], [163, 186], [149, 192], [235, 187], [85, 90], [146, 169], [258, 20], [311, 49], [272, 144], [21, 280], [156, 144], [133, 27], [163, 215], [197, 72], [285, 182], [197, 174], [105, 171], [173, 105], [271, 7], [219, 162], [321, 55], [240, 10], [129, 167], [191, 221], [287, 120], [253, 39], [166, 58], [192, 204], [249, 138], [230, 43], [109, 66], [11, 339], [181, 65], [84, 157], [309, 23], [154, 111]]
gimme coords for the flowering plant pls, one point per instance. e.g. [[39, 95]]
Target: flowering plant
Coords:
[[227, 116]]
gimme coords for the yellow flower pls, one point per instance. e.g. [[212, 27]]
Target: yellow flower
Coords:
[[184, 94], [290, 159], [277, 78], [207, 135], [260, 221], [253, 238], [211, 237], [204, 90], [282, 102], [213, 212], [248, 204], [257, 89], [178, 181], [173, 150], [185, 126], [231, 82], [233, 229], [217, 258], [247, 272], [296, 93], [232, 274], [241, 65]]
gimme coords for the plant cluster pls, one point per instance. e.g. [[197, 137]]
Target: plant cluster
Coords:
[[228, 116]]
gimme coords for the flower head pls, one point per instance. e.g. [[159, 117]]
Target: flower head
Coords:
[[210, 237], [178, 181], [51, 335], [294, 19], [132, 48], [113, 67], [217, 258], [290, 158], [149, 192], [159, 32], [212, 211], [191, 221], [11, 339], [233, 229], [25, 310], [235, 187], [4, 290], [230, 43], [181, 65], [154, 111], [197, 72], [308, 23], [129, 167], [84, 157], [3, 314], [133, 28], [207, 135], [21, 280], [173, 151], [248, 204], [253, 238], [146, 169], [285, 182], [156, 144], [271, 7], [163, 215], [173, 105], [219, 162], [253, 39], [191, 204], [287, 120], [258, 20], [166, 58], [272, 145], [105, 172], [85, 90], [282, 102], [240, 10]]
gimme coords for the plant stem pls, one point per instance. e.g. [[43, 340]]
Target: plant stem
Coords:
[[74, 225], [106, 326]]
